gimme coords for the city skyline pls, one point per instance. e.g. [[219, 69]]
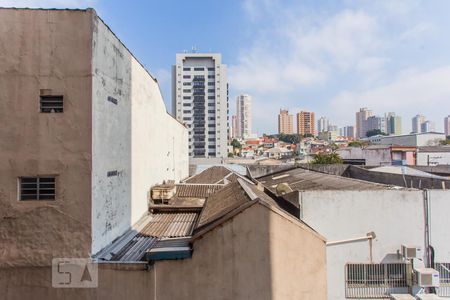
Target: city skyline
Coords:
[[330, 58]]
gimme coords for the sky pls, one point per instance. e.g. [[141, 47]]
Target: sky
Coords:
[[330, 57]]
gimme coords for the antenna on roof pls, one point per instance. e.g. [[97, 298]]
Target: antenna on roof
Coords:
[[194, 49]]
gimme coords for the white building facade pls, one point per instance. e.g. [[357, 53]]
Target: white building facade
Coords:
[[244, 116], [322, 124], [200, 101]]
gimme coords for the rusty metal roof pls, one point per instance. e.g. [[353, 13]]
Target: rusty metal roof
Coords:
[[197, 190], [148, 233], [211, 175], [171, 224]]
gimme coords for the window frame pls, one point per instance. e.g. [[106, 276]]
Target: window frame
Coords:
[[40, 180]]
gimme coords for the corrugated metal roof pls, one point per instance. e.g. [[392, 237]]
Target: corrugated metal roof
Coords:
[[222, 202], [301, 179], [211, 175], [170, 225], [197, 190]]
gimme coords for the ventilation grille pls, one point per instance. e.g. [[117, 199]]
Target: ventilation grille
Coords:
[[52, 104]]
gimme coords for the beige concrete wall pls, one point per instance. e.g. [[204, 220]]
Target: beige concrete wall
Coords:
[[259, 254], [50, 50]]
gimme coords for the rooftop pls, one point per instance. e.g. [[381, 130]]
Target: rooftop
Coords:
[[434, 149], [302, 179], [149, 232]]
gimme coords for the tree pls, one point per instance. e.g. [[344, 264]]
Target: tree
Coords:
[[356, 144], [289, 138], [445, 142], [375, 132], [235, 143], [327, 159]]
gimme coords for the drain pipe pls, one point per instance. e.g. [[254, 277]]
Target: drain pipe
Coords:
[[369, 237], [426, 215]]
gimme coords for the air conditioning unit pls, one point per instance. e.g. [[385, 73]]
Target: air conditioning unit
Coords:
[[402, 297], [427, 277], [410, 252], [428, 297]]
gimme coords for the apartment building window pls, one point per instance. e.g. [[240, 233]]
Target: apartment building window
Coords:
[[211, 111], [37, 188], [186, 97], [51, 104], [186, 91], [199, 69], [186, 69], [211, 97], [186, 76], [211, 90], [186, 111], [186, 119], [211, 76], [186, 104], [210, 69], [186, 83], [210, 83]]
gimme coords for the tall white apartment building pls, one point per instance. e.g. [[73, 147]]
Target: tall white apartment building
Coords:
[[322, 124], [417, 122], [200, 101], [244, 116]]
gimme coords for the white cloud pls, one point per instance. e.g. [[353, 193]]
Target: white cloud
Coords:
[[419, 31], [48, 3], [298, 53]]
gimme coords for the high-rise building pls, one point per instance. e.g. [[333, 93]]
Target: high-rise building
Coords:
[[200, 101], [333, 128], [285, 122], [244, 116], [428, 126], [306, 123], [447, 125], [233, 129], [393, 124], [347, 131], [322, 124], [361, 122], [376, 123], [417, 122]]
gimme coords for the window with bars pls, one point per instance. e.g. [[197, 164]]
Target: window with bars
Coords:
[[37, 188], [52, 104]]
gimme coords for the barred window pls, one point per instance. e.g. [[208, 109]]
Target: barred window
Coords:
[[37, 188], [51, 104]]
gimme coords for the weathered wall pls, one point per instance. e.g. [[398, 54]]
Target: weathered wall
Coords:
[[49, 50], [396, 179], [111, 137], [159, 142], [131, 281], [257, 255], [439, 202], [433, 158], [135, 137], [396, 217], [256, 171]]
